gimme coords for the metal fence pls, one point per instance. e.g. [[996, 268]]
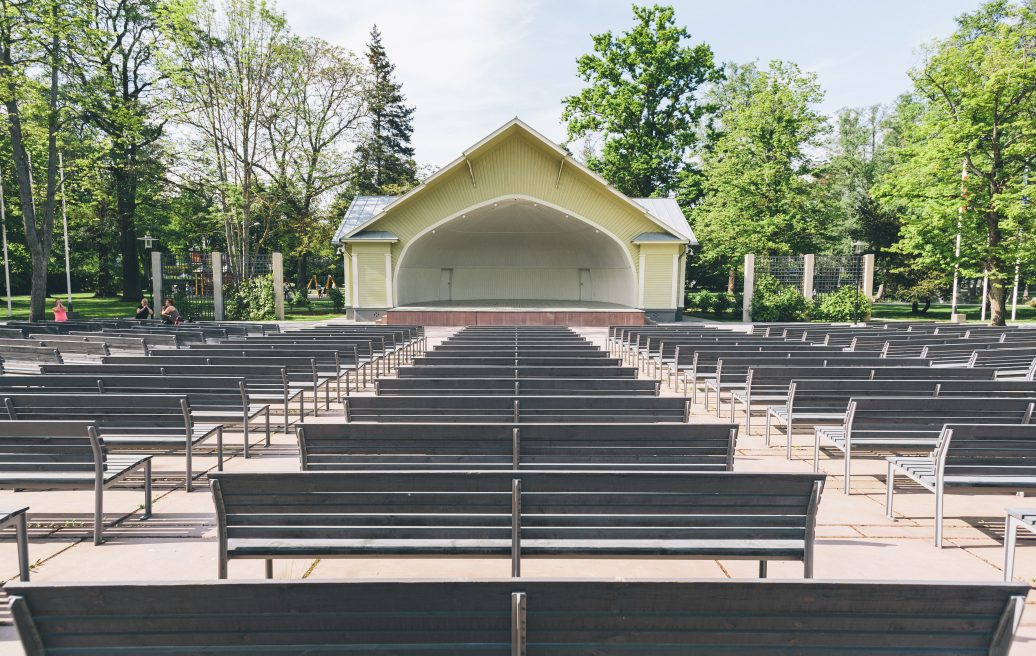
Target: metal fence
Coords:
[[787, 269], [187, 279], [832, 272]]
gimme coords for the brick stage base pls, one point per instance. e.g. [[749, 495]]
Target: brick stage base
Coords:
[[546, 317]]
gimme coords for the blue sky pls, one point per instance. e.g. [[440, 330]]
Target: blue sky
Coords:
[[470, 65]]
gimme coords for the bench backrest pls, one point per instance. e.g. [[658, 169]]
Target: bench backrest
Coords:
[[1005, 451], [510, 385], [685, 447], [104, 410], [504, 618], [924, 416], [486, 505], [50, 445], [517, 409]]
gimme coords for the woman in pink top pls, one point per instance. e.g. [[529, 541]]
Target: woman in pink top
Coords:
[[59, 311]]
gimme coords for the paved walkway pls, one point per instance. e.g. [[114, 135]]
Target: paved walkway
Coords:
[[854, 538]]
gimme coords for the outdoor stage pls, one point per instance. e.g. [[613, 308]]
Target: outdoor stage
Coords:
[[515, 313]]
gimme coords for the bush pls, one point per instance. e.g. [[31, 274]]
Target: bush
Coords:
[[299, 298], [251, 300], [723, 303], [337, 298], [841, 306], [773, 301], [1032, 303], [702, 300]]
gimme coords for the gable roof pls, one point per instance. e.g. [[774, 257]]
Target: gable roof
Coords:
[[368, 209]]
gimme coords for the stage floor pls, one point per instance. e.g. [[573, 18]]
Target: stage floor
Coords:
[[523, 305], [505, 312]]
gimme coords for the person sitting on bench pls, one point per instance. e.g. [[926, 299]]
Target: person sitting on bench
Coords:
[[170, 313]]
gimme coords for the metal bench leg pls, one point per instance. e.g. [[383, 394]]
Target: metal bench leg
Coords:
[[147, 490], [848, 467], [938, 516], [244, 429], [766, 429], [98, 514], [890, 480], [221, 570], [816, 450], [219, 449], [269, 568], [762, 569], [190, 483], [1010, 541], [22, 533], [267, 425]]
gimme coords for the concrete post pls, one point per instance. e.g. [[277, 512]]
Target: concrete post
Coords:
[[808, 268], [217, 286], [868, 275], [746, 310], [156, 280], [278, 285]]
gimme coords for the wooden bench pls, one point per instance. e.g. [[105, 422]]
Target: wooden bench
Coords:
[[517, 386], [265, 384], [511, 409], [16, 517], [66, 455], [673, 447], [726, 515], [911, 423], [516, 372], [515, 617], [1016, 517], [969, 457], [223, 400], [821, 396], [134, 422]]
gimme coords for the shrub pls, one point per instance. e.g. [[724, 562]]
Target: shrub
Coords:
[[1032, 303], [337, 298], [251, 300], [299, 298], [841, 306], [723, 303], [773, 301], [702, 300]]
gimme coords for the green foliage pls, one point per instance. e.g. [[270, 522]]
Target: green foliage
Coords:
[[251, 300], [299, 299], [704, 301], [337, 298], [758, 173], [384, 160], [842, 305], [640, 101], [975, 98], [772, 301]]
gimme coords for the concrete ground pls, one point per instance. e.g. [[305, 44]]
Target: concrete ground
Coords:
[[854, 538]]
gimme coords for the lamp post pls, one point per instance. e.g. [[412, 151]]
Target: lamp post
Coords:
[[64, 225], [858, 247], [149, 243]]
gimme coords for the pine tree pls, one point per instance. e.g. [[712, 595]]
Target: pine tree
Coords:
[[385, 158]]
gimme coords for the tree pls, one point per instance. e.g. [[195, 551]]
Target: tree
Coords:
[[34, 35], [384, 158], [224, 66], [320, 108], [758, 175], [118, 92], [640, 102], [976, 91]]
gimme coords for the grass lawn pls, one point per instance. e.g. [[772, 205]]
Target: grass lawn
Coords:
[[86, 305], [941, 312]]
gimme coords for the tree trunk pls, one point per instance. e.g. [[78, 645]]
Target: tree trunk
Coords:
[[913, 307], [996, 303], [126, 208], [731, 280]]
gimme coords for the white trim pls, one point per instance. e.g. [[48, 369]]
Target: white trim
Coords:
[[676, 276], [643, 267], [521, 125], [356, 279], [388, 280], [346, 267], [511, 197]]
